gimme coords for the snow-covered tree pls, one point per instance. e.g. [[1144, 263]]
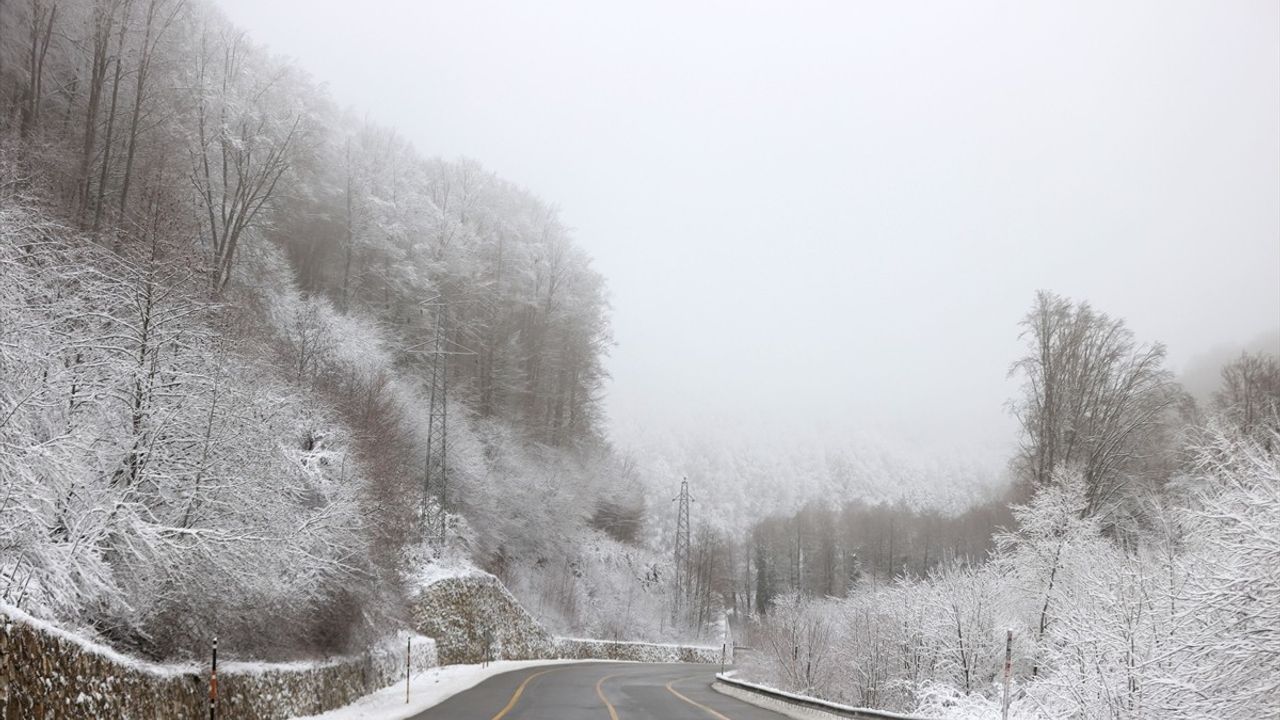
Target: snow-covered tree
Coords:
[[1094, 400]]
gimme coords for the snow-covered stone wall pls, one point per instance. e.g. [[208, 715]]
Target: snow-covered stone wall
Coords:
[[47, 673], [50, 674], [474, 618], [582, 649]]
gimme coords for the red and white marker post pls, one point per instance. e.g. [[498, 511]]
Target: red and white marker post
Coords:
[[1008, 673], [213, 683]]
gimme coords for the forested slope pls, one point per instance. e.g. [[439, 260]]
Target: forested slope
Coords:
[[221, 302]]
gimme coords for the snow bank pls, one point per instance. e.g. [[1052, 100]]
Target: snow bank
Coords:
[[426, 689], [446, 568]]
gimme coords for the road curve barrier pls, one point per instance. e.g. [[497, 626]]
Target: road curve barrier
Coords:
[[798, 706]]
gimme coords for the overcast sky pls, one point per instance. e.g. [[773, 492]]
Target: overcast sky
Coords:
[[834, 214]]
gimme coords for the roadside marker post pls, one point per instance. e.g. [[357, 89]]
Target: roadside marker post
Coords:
[[408, 664], [213, 683], [1008, 671]]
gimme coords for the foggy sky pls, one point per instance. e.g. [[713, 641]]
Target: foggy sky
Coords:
[[832, 215]]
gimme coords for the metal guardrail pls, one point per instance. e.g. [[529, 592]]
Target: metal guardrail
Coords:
[[801, 701]]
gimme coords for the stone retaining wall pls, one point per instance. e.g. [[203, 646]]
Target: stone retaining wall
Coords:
[[50, 674], [475, 618], [581, 649]]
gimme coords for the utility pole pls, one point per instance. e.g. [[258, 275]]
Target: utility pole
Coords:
[[682, 550]]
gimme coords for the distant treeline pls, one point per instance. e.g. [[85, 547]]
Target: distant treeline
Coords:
[[829, 552], [826, 552]]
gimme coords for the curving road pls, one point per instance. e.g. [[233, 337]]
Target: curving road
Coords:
[[598, 691]]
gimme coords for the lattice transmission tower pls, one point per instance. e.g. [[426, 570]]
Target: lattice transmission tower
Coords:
[[435, 477], [682, 556], [442, 342]]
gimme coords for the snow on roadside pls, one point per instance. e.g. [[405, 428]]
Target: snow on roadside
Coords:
[[426, 689], [450, 564], [730, 684]]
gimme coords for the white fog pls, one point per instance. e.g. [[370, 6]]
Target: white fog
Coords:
[[562, 360]]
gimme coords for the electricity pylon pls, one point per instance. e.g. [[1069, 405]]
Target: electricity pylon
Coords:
[[441, 344], [682, 550], [437, 461]]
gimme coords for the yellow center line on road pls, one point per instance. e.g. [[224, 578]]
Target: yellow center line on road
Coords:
[[613, 714], [515, 698], [694, 703]]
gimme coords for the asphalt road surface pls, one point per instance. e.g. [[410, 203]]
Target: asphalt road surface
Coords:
[[598, 691]]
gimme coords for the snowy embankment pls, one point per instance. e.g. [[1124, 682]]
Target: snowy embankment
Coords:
[[426, 690], [474, 617], [50, 672], [800, 707]]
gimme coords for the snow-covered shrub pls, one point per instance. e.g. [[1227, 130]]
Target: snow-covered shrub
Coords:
[[157, 479], [794, 645], [1042, 560], [1179, 622], [1228, 613], [1183, 625], [962, 626]]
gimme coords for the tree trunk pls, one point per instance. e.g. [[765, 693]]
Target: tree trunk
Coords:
[[146, 50], [101, 33], [39, 50], [111, 125]]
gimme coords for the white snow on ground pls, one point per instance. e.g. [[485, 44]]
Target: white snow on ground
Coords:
[[426, 689], [448, 565], [392, 646]]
